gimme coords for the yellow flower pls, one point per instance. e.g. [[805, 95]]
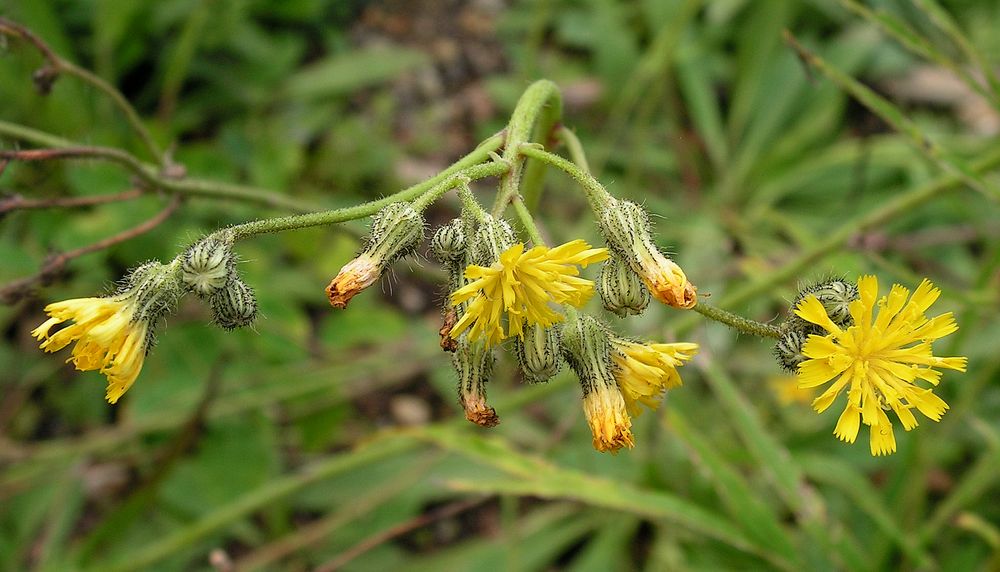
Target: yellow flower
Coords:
[[878, 360], [107, 335], [646, 371], [521, 284], [607, 415]]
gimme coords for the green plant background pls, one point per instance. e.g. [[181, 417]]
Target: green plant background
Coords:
[[333, 438]]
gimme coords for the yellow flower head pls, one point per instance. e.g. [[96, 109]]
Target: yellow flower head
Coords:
[[878, 360], [646, 371], [107, 335], [607, 415], [113, 334], [521, 284]]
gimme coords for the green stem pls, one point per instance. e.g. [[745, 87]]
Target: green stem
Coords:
[[540, 106], [739, 323], [597, 195], [439, 184], [575, 148], [469, 203], [528, 222]]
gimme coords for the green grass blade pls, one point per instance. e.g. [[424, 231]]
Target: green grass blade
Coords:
[[898, 120], [916, 43], [837, 474], [744, 505]]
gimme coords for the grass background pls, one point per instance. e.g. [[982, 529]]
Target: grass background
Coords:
[[333, 439]]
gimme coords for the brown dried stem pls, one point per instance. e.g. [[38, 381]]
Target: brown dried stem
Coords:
[[400, 529], [153, 177], [18, 202], [56, 65], [14, 291]]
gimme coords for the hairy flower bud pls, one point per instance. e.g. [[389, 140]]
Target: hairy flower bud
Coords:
[[235, 306], [587, 348], [836, 297], [396, 230], [621, 289], [448, 243], [207, 265], [493, 237], [538, 353], [625, 226], [474, 363], [788, 350]]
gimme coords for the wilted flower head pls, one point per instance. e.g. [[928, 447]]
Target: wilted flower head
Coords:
[[520, 286], [473, 362], [878, 360], [396, 231], [113, 334], [625, 226]]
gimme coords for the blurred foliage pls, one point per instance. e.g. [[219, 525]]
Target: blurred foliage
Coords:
[[334, 437]]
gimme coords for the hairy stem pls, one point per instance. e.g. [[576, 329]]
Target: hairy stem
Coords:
[[445, 181], [739, 323], [597, 195], [538, 110]]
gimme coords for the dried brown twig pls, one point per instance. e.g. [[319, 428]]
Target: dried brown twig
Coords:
[[17, 289], [18, 202]]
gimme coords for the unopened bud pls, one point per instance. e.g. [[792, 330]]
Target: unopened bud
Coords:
[[538, 352], [836, 297], [587, 348], [396, 231], [474, 363], [207, 265], [491, 238], [234, 306], [448, 243], [621, 289], [625, 226], [788, 350]]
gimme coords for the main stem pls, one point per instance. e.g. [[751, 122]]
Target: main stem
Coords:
[[458, 174], [539, 108]]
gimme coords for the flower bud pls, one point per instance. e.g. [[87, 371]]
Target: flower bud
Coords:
[[474, 363], [234, 306], [625, 226], [396, 230], [538, 353], [621, 289], [586, 346], [836, 297], [207, 265], [788, 350], [491, 238], [448, 243]]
